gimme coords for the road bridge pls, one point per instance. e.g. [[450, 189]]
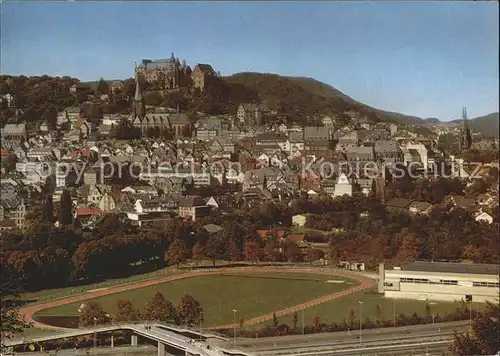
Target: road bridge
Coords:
[[165, 337]]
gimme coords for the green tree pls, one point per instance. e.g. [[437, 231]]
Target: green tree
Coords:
[[214, 249], [484, 338], [352, 319], [190, 310], [12, 321], [66, 213], [102, 87], [378, 316], [177, 253]]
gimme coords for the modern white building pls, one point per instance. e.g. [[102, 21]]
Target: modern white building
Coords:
[[441, 281], [342, 187]]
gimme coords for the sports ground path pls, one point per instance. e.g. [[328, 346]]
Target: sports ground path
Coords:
[[364, 283]]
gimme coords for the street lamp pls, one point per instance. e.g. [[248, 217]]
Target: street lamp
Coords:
[[95, 332], [394, 311], [201, 321], [234, 327], [303, 327], [360, 322]]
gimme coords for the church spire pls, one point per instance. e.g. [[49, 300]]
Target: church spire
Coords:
[[139, 108], [465, 136]]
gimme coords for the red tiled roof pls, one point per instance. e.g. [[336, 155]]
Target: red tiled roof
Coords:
[[295, 238], [4, 152], [89, 211], [84, 153], [263, 233]]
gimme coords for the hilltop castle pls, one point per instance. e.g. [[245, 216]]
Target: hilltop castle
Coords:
[[165, 73]]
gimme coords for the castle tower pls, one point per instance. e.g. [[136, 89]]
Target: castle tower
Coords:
[[139, 108], [465, 139]]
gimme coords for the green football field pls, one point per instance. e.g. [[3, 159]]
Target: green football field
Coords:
[[250, 294]]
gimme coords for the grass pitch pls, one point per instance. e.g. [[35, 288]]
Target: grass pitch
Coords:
[[252, 294]]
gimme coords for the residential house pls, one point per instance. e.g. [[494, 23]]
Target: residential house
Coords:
[[400, 205], [79, 87], [108, 201], [117, 86], [387, 151], [482, 216], [327, 121], [13, 134], [14, 209], [317, 138], [193, 207], [420, 207], [349, 139], [212, 228], [361, 154], [299, 220], [250, 114]]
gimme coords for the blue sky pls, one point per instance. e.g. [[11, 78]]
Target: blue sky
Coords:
[[424, 59]]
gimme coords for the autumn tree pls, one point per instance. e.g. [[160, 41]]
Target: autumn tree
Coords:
[[233, 250], [197, 252], [126, 311], [270, 250], [189, 310], [160, 309], [102, 87], [251, 250], [291, 251], [275, 320], [410, 248], [177, 253], [316, 321], [92, 314], [314, 254], [295, 320]]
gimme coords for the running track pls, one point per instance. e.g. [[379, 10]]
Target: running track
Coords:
[[364, 283]]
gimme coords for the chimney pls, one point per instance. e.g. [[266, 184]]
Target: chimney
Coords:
[[381, 277]]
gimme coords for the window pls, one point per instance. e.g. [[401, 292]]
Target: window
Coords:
[[486, 284]]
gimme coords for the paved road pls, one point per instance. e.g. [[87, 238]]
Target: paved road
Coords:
[[350, 340], [122, 350], [30, 310]]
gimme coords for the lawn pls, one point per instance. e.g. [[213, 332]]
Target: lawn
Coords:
[[251, 294], [337, 310], [47, 294]]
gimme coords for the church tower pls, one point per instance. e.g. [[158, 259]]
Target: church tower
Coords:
[[465, 140], [139, 108]]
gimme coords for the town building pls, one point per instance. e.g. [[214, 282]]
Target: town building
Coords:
[[444, 281], [201, 75], [250, 113]]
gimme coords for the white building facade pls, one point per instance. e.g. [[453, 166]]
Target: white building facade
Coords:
[[441, 281]]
